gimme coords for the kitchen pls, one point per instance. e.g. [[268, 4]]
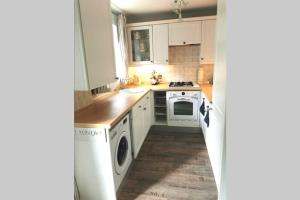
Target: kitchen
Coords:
[[149, 99]]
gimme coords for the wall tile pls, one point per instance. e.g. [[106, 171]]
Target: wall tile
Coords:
[[184, 54], [85, 98], [82, 99]]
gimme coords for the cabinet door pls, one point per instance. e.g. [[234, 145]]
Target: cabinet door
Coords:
[[214, 142], [80, 74], [183, 33], [98, 41], [137, 127], [92, 164], [208, 41], [147, 113], [140, 44], [161, 43]]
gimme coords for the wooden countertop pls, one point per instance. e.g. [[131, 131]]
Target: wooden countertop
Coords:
[[165, 87], [107, 112]]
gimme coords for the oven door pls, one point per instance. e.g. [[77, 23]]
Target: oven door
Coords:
[[183, 108]]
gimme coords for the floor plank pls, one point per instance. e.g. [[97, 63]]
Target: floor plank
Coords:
[[173, 164]]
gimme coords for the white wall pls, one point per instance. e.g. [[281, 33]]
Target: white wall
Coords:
[[216, 146], [222, 192], [220, 61]]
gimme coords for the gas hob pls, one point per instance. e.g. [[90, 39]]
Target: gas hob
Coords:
[[181, 84]]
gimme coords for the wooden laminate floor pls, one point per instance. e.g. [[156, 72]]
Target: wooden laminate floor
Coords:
[[173, 164]]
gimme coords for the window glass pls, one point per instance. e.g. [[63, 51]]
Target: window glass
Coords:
[[120, 70], [140, 45]]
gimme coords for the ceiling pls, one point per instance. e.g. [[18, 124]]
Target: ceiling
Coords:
[[157, 6]]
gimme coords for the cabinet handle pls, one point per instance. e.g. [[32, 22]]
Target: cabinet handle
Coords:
[[145, 108], [152, 61], [183, 42], [140, 106], [167, 60], [202, 58]]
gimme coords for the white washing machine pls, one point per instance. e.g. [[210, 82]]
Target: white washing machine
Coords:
[[121, 154]]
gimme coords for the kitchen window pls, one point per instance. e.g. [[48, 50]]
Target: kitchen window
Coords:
[[119, 46]]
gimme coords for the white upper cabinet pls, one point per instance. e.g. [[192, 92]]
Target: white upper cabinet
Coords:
[[140, 45], [183, 33], [80, 71], [161, 43], [96, 23], [208, 42]]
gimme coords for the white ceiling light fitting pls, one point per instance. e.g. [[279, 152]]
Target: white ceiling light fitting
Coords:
[[178, 5]]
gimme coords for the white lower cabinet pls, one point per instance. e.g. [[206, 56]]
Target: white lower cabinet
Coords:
[[137, 127], [213, 134], [214, 143], [147, 113], [141, 122], [92, 164]]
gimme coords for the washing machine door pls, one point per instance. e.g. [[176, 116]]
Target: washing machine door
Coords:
[[121, 153]]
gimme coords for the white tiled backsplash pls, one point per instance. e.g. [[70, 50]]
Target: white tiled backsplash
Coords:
[[85, 98], [82, 99], [184, 64]]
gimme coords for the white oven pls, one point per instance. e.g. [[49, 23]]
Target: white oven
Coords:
[[183, 108]]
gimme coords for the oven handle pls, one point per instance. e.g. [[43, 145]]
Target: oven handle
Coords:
[[183, 99]]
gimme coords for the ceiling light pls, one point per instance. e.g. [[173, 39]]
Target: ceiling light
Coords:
[[178, 5]]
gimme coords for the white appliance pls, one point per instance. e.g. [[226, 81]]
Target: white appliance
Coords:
[[183, 108], [93, 169], [121, 153]]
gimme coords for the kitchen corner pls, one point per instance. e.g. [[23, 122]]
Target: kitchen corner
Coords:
[[106, 111], [207, 90]]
